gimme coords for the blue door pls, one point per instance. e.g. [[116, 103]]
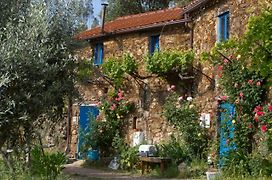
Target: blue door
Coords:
[[227, 128], [86, 114]]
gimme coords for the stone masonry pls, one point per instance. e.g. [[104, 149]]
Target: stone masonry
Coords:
[[149, 108]]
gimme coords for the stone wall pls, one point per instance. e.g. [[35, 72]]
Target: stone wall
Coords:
[[203, 87]]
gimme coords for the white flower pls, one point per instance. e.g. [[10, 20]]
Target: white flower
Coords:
[[189, 98], [180, 98]]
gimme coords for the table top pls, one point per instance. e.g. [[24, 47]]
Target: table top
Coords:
[[154, 159]]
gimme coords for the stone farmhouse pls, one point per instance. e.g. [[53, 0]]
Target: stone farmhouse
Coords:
[[197, 26]]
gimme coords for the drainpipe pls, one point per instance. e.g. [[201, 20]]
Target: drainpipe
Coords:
[[103, 16]]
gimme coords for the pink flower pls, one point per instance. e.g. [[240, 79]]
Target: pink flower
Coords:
[[250, 81], [99, 103], [264, 128], [226, 61], [220, 68], [250, 126], [120, 94], [258, 83], [223, 98], [241, 94], [227, 141], [260, 113], [258, 108], [270, 108], [113, 107]]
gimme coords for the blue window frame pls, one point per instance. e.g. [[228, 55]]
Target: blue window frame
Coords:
[[154, 43], [98, 54], [223, 27]]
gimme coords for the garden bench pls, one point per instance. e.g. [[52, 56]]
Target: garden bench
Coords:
[[146, 161]]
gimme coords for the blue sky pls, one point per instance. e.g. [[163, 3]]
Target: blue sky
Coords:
[[97, 10]]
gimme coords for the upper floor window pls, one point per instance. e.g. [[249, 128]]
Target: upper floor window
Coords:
[[223, 27], [154, 43], [98, 54]]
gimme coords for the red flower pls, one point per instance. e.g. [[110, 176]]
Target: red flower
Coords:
[[270, 108], [256, 118], [241, 94], [260, 113], [258, 83], [250, 126], [250, 81], [258, 108], [113, 107], [264, 128], [223, 98]]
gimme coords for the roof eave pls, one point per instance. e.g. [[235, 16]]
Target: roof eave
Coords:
[[122, 31]]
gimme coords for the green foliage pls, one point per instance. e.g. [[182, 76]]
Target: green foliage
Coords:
[[174, 148], [184, 116], [46, 165], [119, 8], [115, 69], [163, 63], [129, 158], [37, 72], [84, 71], [128, 155], [257, 43]]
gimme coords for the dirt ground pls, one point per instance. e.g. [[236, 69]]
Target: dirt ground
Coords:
[[77, 172]]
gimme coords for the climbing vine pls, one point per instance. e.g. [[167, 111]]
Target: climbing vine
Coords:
[[116, 69], [163, 63]]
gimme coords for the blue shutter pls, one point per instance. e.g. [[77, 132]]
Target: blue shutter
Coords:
[[101, 53], [96, 54], [157, 43], [223, 27], [226, 26], [154, 44]]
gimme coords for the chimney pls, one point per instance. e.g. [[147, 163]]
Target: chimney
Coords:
[[104, 4]]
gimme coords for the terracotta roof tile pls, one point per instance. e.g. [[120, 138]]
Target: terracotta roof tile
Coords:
[[134, 22]]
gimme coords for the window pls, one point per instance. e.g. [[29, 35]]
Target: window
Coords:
[[154, 43], [223, 27], [98, 54]]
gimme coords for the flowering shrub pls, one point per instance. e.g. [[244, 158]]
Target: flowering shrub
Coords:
[[110, 122], [183, 114], [242, 69]]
